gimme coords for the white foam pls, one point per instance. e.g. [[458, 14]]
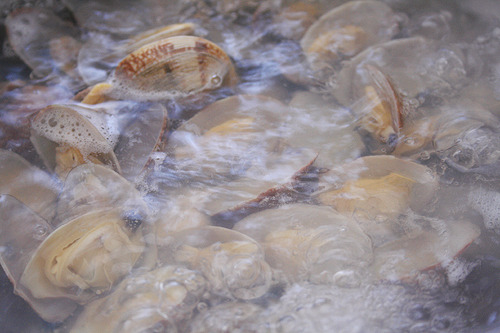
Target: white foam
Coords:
[[487, 203], [82, 130]]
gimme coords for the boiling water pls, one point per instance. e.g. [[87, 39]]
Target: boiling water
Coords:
[[458, 71]]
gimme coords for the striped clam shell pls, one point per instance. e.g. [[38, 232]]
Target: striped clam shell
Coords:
[[172, 67]]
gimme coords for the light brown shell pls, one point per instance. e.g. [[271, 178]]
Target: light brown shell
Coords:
[[376, 190], [174, 66], [308, 242], [22, 231], [357, 13], [68, 135], [404, 258], [381, 113], [28, 184], [232, 262], [84, 257]]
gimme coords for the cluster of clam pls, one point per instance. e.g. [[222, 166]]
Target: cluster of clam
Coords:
[[138, 222]]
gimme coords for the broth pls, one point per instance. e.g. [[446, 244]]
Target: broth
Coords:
[[327, 176]]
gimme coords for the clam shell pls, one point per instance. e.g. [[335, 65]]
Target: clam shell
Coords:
[[171, 67], [120, 17], [355, 13], [28, 184], [413, 68], [87, 130], [22, 231], [30, 32], [84, 257], [156, 34], [376, 190], [232, 262], [324, 127], [92, 187], [161, 297], [237, 136], [307, 242], [423, 189], [142, 134], [344, 31], [102, 53], [404, 258], [381, 118]]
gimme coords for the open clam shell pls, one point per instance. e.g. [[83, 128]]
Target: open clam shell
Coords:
[[173, 67], [416, 65], [355, 13], [182, 210], [307, 242], [404, 258], [92, 187], [232, 262], [120, 17], [325, 127], [21, 232], [68, 135], [142, 133], [159, 298], [375, 190], [381, 114], [85, 257], [28, 184], [443, 130], [424, 181], [43, 41], [232, 137], [346, 30]]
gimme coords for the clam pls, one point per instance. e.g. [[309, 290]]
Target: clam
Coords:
[[376, 190], [143, 132], [43, 41], [173, 67], [182, 210], [95, 94], [22, 231], [417, 65], [381, 113], [293, 20], [92, 187], [416, 137], [229, 137], [468, 143], [437, 246], [324, 127], [346, 30], [158, 299], [236, 145], [28, 184], [85, 257], [102, 53], [118, 17], [66, 136], [306, 242], [232, 262], [463, 134]]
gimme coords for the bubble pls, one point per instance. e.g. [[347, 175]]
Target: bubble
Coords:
[[52, 122], [202, 307], [40, 231], [487, 203], [419, 312], [216, 80]]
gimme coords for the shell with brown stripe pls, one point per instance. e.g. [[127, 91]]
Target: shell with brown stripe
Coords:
[[174, 66]]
